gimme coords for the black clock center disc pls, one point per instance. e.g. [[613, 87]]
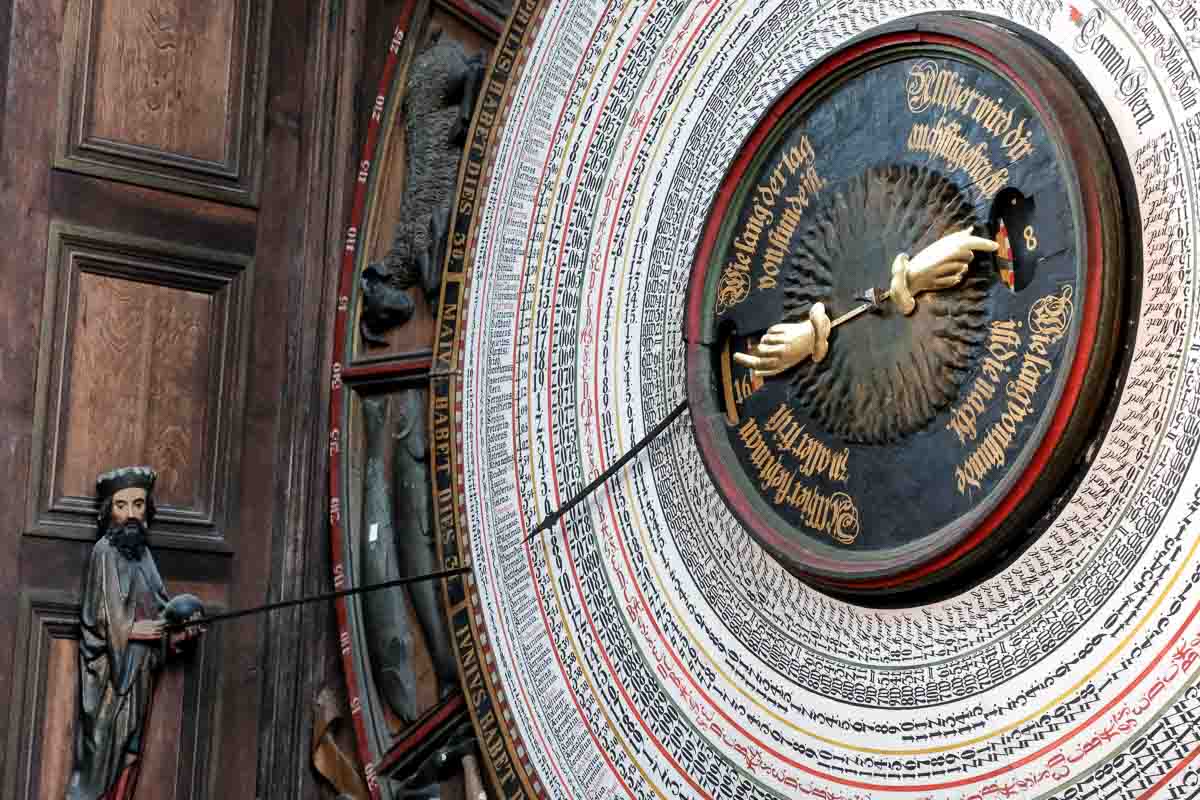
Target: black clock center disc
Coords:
[[922, 442]]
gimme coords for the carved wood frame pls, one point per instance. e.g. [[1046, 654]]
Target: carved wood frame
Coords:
[[382, 750], [229, 277], [236, 179], [49, 614]]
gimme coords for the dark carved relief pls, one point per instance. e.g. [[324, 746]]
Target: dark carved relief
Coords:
[[439, 100], [418, 548], [398, 541], [886, 380], [385, 616]]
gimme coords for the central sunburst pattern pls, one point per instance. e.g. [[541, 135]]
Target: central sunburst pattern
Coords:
[[887, 375]]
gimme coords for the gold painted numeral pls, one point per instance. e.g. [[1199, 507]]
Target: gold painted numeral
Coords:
[[1031, 241]]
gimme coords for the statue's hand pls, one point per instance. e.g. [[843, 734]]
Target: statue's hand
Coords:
[[786, 344], [181, 638], [147, 630], [941, 265]]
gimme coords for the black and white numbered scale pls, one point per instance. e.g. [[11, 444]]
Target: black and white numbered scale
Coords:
[[955, 557]]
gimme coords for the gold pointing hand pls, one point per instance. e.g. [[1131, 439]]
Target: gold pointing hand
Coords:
[[786, 344], [941, 265]]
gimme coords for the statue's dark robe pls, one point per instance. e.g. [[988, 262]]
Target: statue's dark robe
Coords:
[[116, 675]]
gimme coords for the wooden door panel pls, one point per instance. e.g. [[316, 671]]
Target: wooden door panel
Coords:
[[154, 213], [42, 724], [28, 147], [156, 79], [142, 360], [165, 93], [125, 327], [151, 151]]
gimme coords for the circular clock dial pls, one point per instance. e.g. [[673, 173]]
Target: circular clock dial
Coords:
[[663, 638], [919, 441]]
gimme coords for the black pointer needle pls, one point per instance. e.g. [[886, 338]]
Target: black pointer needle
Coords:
[[315, 598], [552, 518]]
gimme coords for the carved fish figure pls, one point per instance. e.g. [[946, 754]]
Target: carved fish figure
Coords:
[[385, 613], [414, 514]]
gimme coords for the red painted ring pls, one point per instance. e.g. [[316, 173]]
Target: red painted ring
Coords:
[[698, 357]]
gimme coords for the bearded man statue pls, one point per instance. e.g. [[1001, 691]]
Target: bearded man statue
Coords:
[[123, 640]]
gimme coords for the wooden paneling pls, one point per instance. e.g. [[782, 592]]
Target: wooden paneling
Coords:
[[142, 362], [165, 93], [58, 724], [161, 767], [159, 79], [300, 651], [247, 695], [28, 140], [156, 213], [192, 180], [5, 34], [40, 740], [138, 369], [38, 745]]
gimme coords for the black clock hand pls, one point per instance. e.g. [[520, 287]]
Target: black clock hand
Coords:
[[552, 518], [315, 598]]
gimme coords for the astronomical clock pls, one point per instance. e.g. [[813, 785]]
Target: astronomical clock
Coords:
[[811, 402]]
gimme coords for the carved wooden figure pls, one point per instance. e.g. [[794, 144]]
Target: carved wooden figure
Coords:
[[442, 89], [122, 642], [389, 638]]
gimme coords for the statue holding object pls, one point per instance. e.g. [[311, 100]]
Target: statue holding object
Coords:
[[123, 640]]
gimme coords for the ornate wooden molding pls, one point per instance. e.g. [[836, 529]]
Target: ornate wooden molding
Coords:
[[128, 324], [138, 112], [41, 713]]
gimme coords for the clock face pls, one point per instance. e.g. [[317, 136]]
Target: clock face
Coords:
[[914, 446], [1010, 469]]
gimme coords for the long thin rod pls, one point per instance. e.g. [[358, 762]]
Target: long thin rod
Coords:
[[865, 307], [245, 612], [553, 517]]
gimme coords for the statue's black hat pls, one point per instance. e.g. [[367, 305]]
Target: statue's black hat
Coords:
[[112, 482]]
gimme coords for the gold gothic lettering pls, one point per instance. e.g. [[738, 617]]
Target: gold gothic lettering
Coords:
[[1048, 321], [931, 86], [834, 515], [813, 456], [764, 227], [945, 141]]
